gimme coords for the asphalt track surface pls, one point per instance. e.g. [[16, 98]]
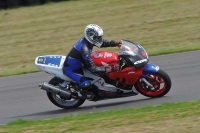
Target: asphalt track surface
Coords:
[[21, 98]]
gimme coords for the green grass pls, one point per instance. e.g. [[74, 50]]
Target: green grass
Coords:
[[161, 26], [181, 117]]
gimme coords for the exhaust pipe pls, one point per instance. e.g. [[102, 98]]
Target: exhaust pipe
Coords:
[[53, 89]]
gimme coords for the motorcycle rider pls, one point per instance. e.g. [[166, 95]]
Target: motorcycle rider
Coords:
[[79, 56]]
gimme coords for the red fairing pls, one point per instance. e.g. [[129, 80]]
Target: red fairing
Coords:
[[104, 58], [130, 75]]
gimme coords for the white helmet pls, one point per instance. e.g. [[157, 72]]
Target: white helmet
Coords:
[[94, 34]]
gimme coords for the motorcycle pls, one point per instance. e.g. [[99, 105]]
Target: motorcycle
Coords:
[[136, 76]]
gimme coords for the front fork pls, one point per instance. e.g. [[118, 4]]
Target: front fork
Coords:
[[148, 85], [148, 70]]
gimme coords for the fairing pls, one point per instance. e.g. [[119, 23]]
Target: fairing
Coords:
[[134, 54], [127, 76], [104, 58]]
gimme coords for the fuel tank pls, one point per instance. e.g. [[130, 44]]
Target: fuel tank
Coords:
[[104, 58]]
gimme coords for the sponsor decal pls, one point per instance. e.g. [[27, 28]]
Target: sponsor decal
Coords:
[[155, 67], [130, 72], [107, 55], [140, 61], [100, 82], [98, 55], [40, 59]]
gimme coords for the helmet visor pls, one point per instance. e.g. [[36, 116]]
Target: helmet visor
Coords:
[[98, 39]]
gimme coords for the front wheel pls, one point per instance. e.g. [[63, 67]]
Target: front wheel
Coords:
[[59, 101], [159, 80]]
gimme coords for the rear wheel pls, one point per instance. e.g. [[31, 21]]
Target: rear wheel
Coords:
[[160, 81], [61, 102]]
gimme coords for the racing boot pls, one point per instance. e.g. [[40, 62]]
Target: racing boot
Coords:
[[84, 87]]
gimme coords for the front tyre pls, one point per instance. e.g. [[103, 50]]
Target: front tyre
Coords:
[[159, 80], [60, 102]]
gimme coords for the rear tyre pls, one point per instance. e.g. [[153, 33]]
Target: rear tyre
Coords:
[[59, 101], [159, 80]]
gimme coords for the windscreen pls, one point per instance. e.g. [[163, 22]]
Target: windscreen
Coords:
[[128, 48]]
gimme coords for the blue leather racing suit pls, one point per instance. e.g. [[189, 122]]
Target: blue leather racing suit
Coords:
[[79, 57]]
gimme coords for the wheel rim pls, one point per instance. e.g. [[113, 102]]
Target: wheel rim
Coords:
[[157, 82], [64, 102]]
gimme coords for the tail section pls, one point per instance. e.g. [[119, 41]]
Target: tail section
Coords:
[[52, 64], [51, 61]]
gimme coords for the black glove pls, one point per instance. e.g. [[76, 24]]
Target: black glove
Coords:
[[114, 43], [114, 68]]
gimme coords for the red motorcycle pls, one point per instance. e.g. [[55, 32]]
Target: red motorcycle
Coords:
[[136, 76]]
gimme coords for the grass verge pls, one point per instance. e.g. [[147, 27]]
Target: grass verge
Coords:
[[161, 26], [181, 117]]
